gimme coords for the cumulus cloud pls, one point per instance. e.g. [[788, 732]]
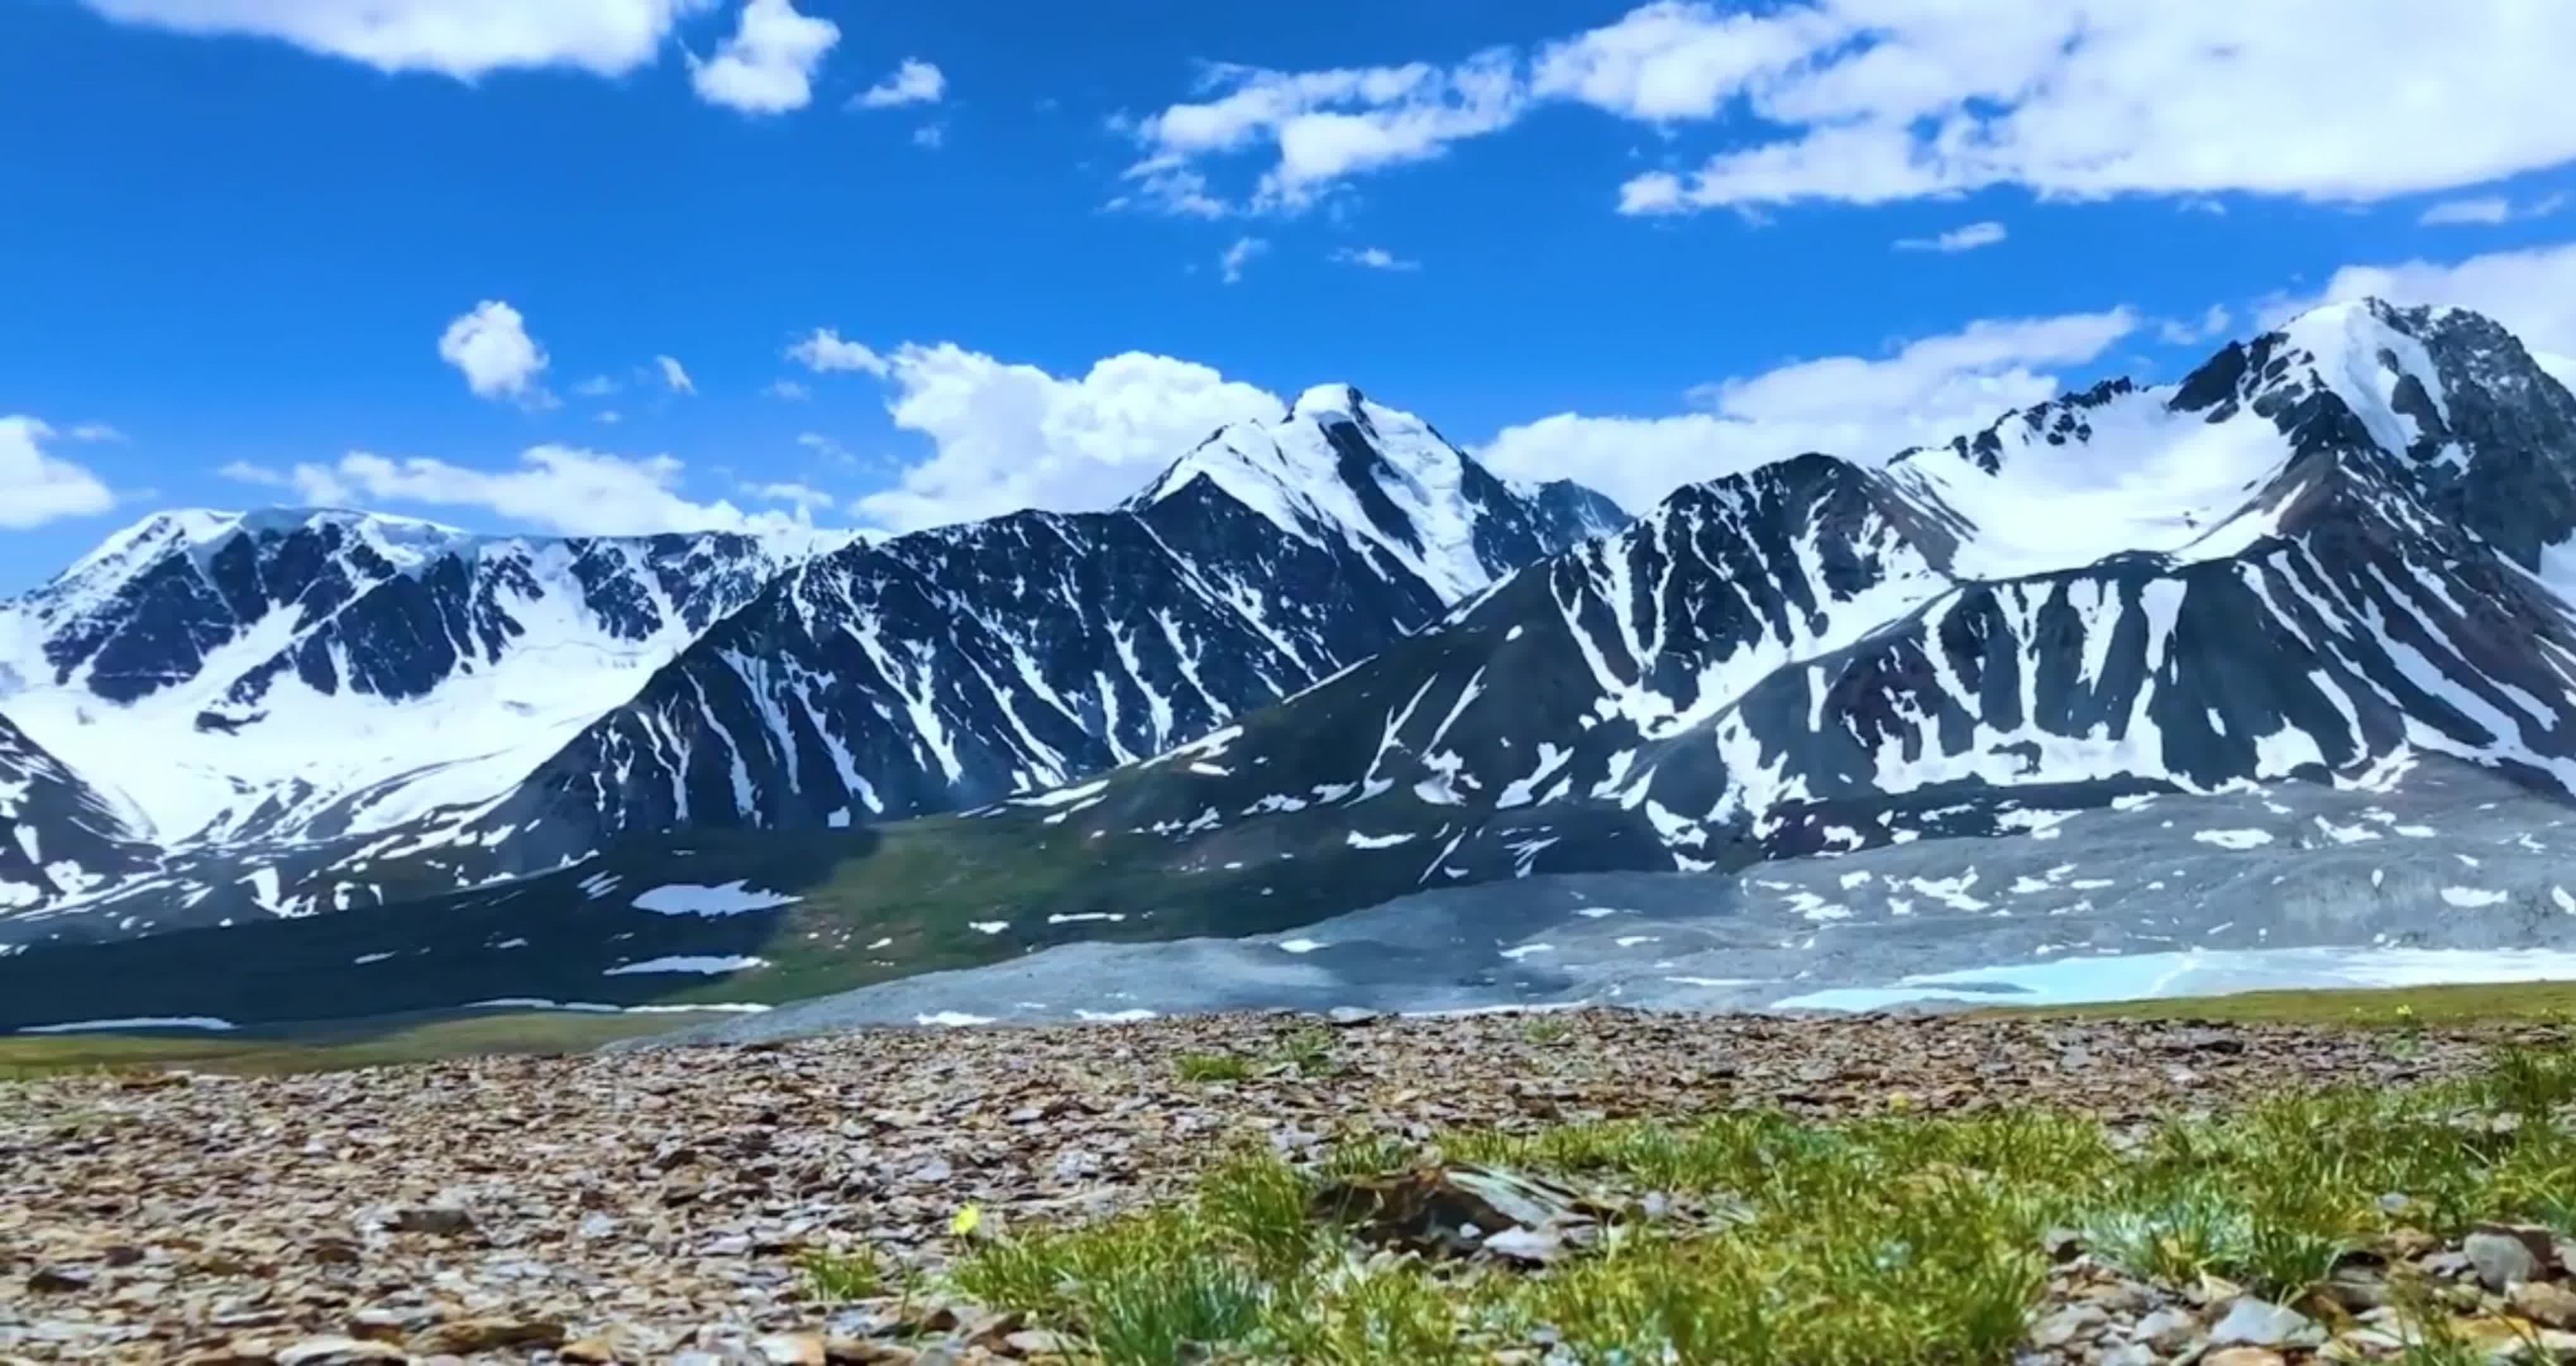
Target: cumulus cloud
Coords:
[[1862, 408], [36, 488], [1009, 436], [825, 352], [1969, 238], [768, 65], [1233, 259], [492, 348], [1868, 101], [675, 378], [2532, 292], [1375, 258], [559, 488], [914, 82], [459, 38]]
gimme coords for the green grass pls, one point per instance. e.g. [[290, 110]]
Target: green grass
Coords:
[[1204, 1067], [355, 1044], [840, 1277], [2369, 1007], [1883, 1241]]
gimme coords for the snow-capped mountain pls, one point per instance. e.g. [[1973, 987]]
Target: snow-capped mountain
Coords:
[[2337, 555], [2324, 552], [380, 709], [956, 666], [293, 673]]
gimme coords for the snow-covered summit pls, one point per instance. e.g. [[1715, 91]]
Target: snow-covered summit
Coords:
[[1340, 466]]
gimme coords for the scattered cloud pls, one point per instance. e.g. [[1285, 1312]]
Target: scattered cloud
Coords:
[[1969, 238], [826, 447], [2210, 326], [36, 488], [498, 358], [805, 498], [825, 352], [460, 38], [768, 65], [1234, 258], [311, 485], [1322, 125], [2489, 209], [788, 389], [2531, 292], [674, 378], [1871, 101], [1012, 436], [1374, 258], [608, 417], [914, 82], [931, 135], [559, 488], [1862, 408], [597, 386]]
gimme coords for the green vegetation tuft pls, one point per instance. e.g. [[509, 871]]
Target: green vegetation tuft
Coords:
[[837, 1278], [1202, 1067], [1883, 1241]]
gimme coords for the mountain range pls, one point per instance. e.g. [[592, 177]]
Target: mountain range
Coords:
[[1327, 662], [242, 715]]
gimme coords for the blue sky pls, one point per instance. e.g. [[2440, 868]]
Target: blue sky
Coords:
[[260, 252]]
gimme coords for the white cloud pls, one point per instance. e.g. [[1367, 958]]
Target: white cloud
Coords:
[[914, 82], [788, 389], [1013, 436], [93, 431], [805, 498], [608, 417], [768, 65], [1969, 238], [459, 38], [36, 488], [825, 447], [1375, 258], [492, 347], [674, 378], [2211, 325], [930, 135], [1858, 407], [1234, 258], [2532, 293], [312, 485], [1902, 99], [825, 352], [2489, 209], [1323, 125], [597, 386], [560, 488], [1867, 101]]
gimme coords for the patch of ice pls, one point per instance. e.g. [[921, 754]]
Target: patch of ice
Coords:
[[2234, 839], [1298, 946], [205, 1022], [733, 898], [706, 963], [951, 1019]]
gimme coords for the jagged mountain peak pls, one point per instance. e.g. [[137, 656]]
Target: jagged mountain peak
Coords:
[[1340, 467]]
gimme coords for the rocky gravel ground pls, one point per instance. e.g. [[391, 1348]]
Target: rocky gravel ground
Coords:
[[656, 1205]]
